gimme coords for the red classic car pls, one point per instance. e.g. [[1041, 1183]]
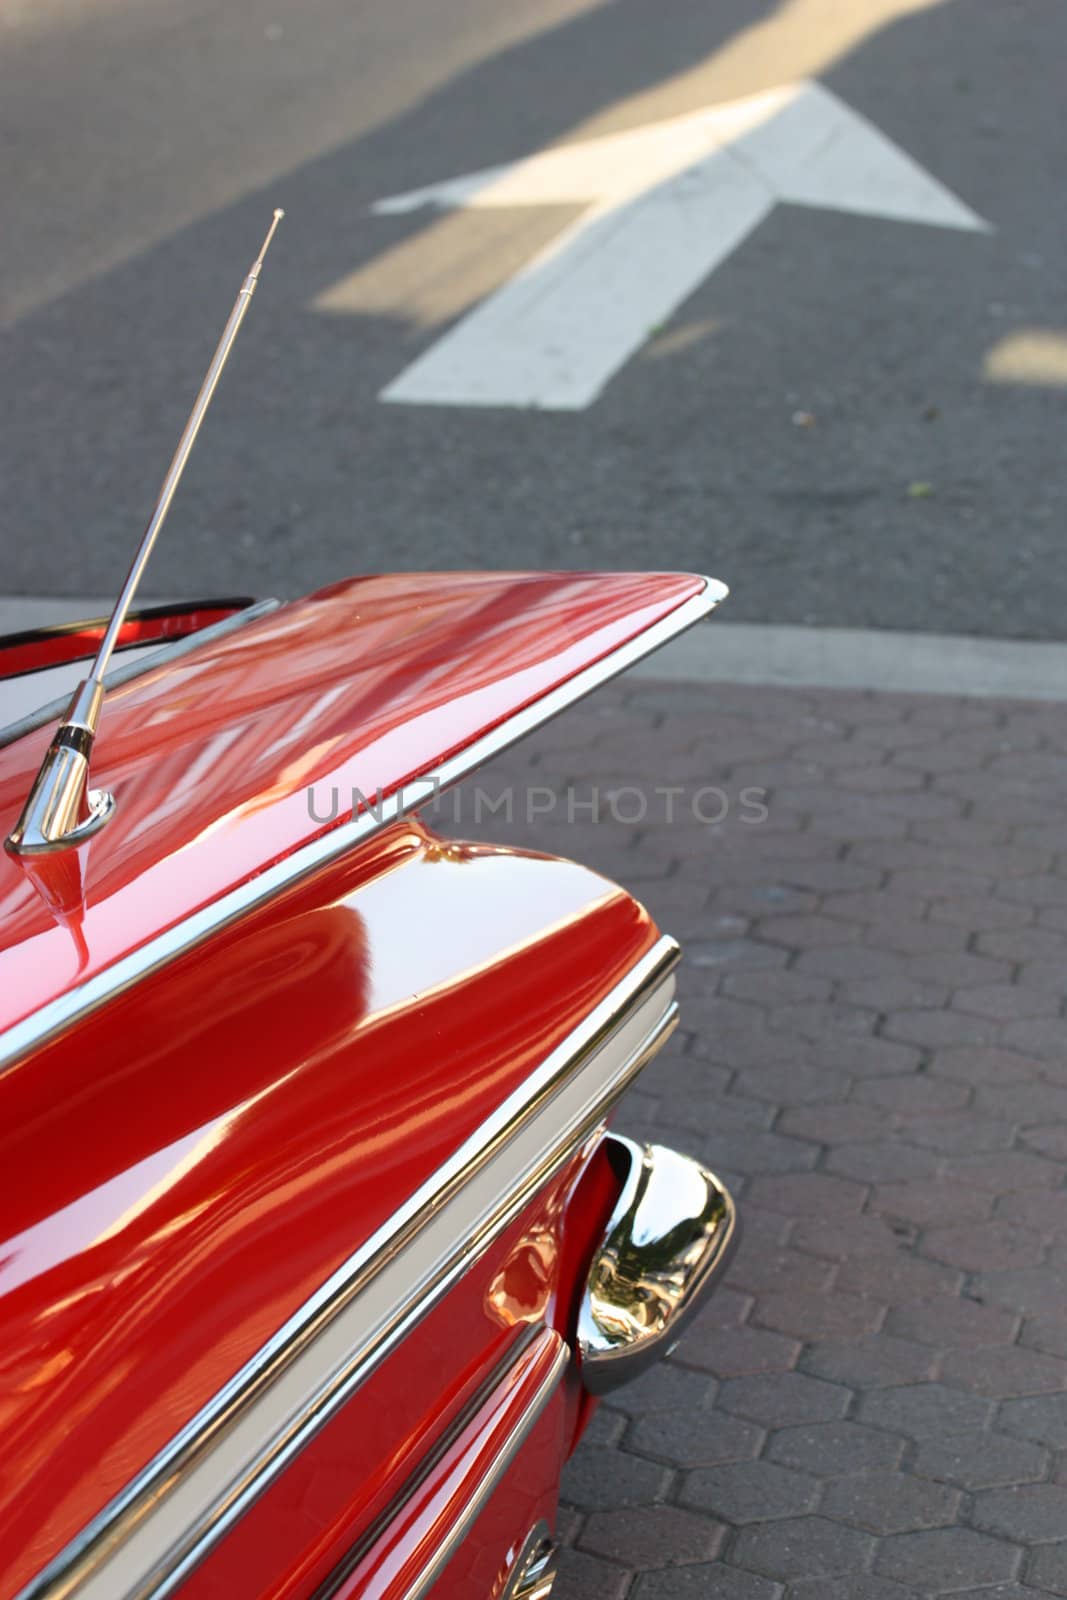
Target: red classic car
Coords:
[[315, 1252]]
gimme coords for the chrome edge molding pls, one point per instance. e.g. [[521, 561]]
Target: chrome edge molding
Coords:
[[86, 1557], [358, 1551], [667, 1243], [81, 999], [483, 1490]]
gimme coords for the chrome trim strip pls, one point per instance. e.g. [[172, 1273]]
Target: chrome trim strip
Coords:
[[667, 1243], [483, 1490], [467, 1203], [84, 998], [358, 1551], [135, 669], [491, 1477]]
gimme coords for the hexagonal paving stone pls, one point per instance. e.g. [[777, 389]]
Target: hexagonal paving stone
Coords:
[[788, 1082], [1039, 1036], [920, 1410], [873, 1362], [1002, 1171], [864, 1057], [982, 1247], [600, 1479], [581, 1576], [829, 1124], [665, 1387], [1005, 1001], [750, 1491], [726, 1308], [782, 1398], [890, 1502], [980, 1460], [830, 1448], [758, 1270], [898, 1278], [1004, 1374], [749, 1153], [1035, 1291], [1046, 1333], [1000, 1591], [695, 1583], [965, 1064], [1032, 1513], [932, 1201], [946, 1559], [819, 1316], [918, 1093], [1042, 1209], [1047, 1141], [569, 1522], [695, 1438], [884, 1163], [963, 1132], [652, 1536], [736, 1352], [1035, 1106], [776, 988], [953, 1324], [1047, 1569], [695, 1111], [1041, 1417], [802, 1547], [806, 932], [842, 1238], [936, 1030], [605, 1426], [861, 1586], [809, 1194]]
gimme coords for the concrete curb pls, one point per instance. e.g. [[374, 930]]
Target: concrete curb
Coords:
[[853, 658]]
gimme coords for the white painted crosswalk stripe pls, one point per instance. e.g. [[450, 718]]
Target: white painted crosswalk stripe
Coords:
[[666, 204]]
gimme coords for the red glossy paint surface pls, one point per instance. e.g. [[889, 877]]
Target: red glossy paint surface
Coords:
[[401, 1555], [364, 686], [340, 1505], [528, 1494], [182, 1171], [40, 648], [351, 1474]]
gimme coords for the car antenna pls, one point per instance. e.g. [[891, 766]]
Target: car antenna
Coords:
[[61, 809]]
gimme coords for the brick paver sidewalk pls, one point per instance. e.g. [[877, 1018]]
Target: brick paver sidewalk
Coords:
[[874, 1053]]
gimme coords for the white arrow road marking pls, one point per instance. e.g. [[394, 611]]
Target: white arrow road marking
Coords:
[[666, 204]]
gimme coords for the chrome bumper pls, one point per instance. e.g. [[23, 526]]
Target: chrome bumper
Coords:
[[667, 1243]]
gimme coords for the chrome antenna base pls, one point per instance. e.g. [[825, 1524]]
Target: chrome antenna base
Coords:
[[61, 810]]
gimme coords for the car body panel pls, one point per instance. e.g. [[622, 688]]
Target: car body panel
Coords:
[[524, 1409], [385, 1485], [257, 1109]]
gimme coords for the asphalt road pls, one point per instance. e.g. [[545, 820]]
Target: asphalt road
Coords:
[[854, 421]]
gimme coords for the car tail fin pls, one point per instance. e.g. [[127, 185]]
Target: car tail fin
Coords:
[[260, 756]]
